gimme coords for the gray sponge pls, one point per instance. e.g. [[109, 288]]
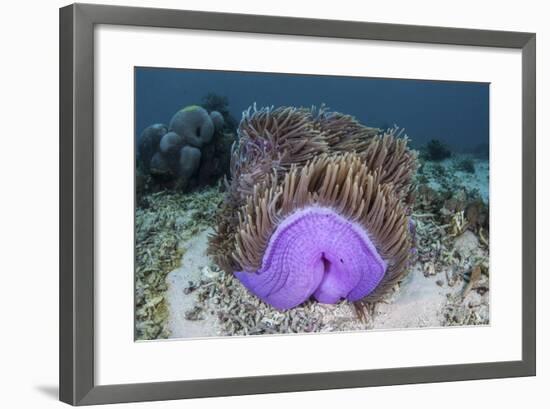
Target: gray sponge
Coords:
[[194, 124]]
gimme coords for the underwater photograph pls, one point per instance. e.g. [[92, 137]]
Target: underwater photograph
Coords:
[[273, 203]]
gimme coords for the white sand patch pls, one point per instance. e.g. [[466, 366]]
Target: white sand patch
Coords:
[[186, 320], [419, 302]]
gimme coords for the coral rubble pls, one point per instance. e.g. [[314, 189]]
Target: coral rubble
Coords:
[[164, 220]]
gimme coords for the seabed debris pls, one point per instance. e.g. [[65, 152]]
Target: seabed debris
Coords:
[[164, 221]]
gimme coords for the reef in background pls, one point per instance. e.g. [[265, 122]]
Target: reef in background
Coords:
[[192, 151], [435, 150]]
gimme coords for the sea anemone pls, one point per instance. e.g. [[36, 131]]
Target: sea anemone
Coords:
[[317, 205], [329, 229]]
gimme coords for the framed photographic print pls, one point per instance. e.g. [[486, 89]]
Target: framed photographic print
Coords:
[[254, 204]]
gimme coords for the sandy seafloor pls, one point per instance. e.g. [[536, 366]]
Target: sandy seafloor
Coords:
[[447, 284]]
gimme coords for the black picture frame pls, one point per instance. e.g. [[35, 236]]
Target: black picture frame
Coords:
[[76, 281]]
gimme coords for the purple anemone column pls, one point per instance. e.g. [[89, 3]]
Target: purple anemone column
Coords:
[[315, 251]]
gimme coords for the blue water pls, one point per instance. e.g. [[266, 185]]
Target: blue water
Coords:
[[456, 113]]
